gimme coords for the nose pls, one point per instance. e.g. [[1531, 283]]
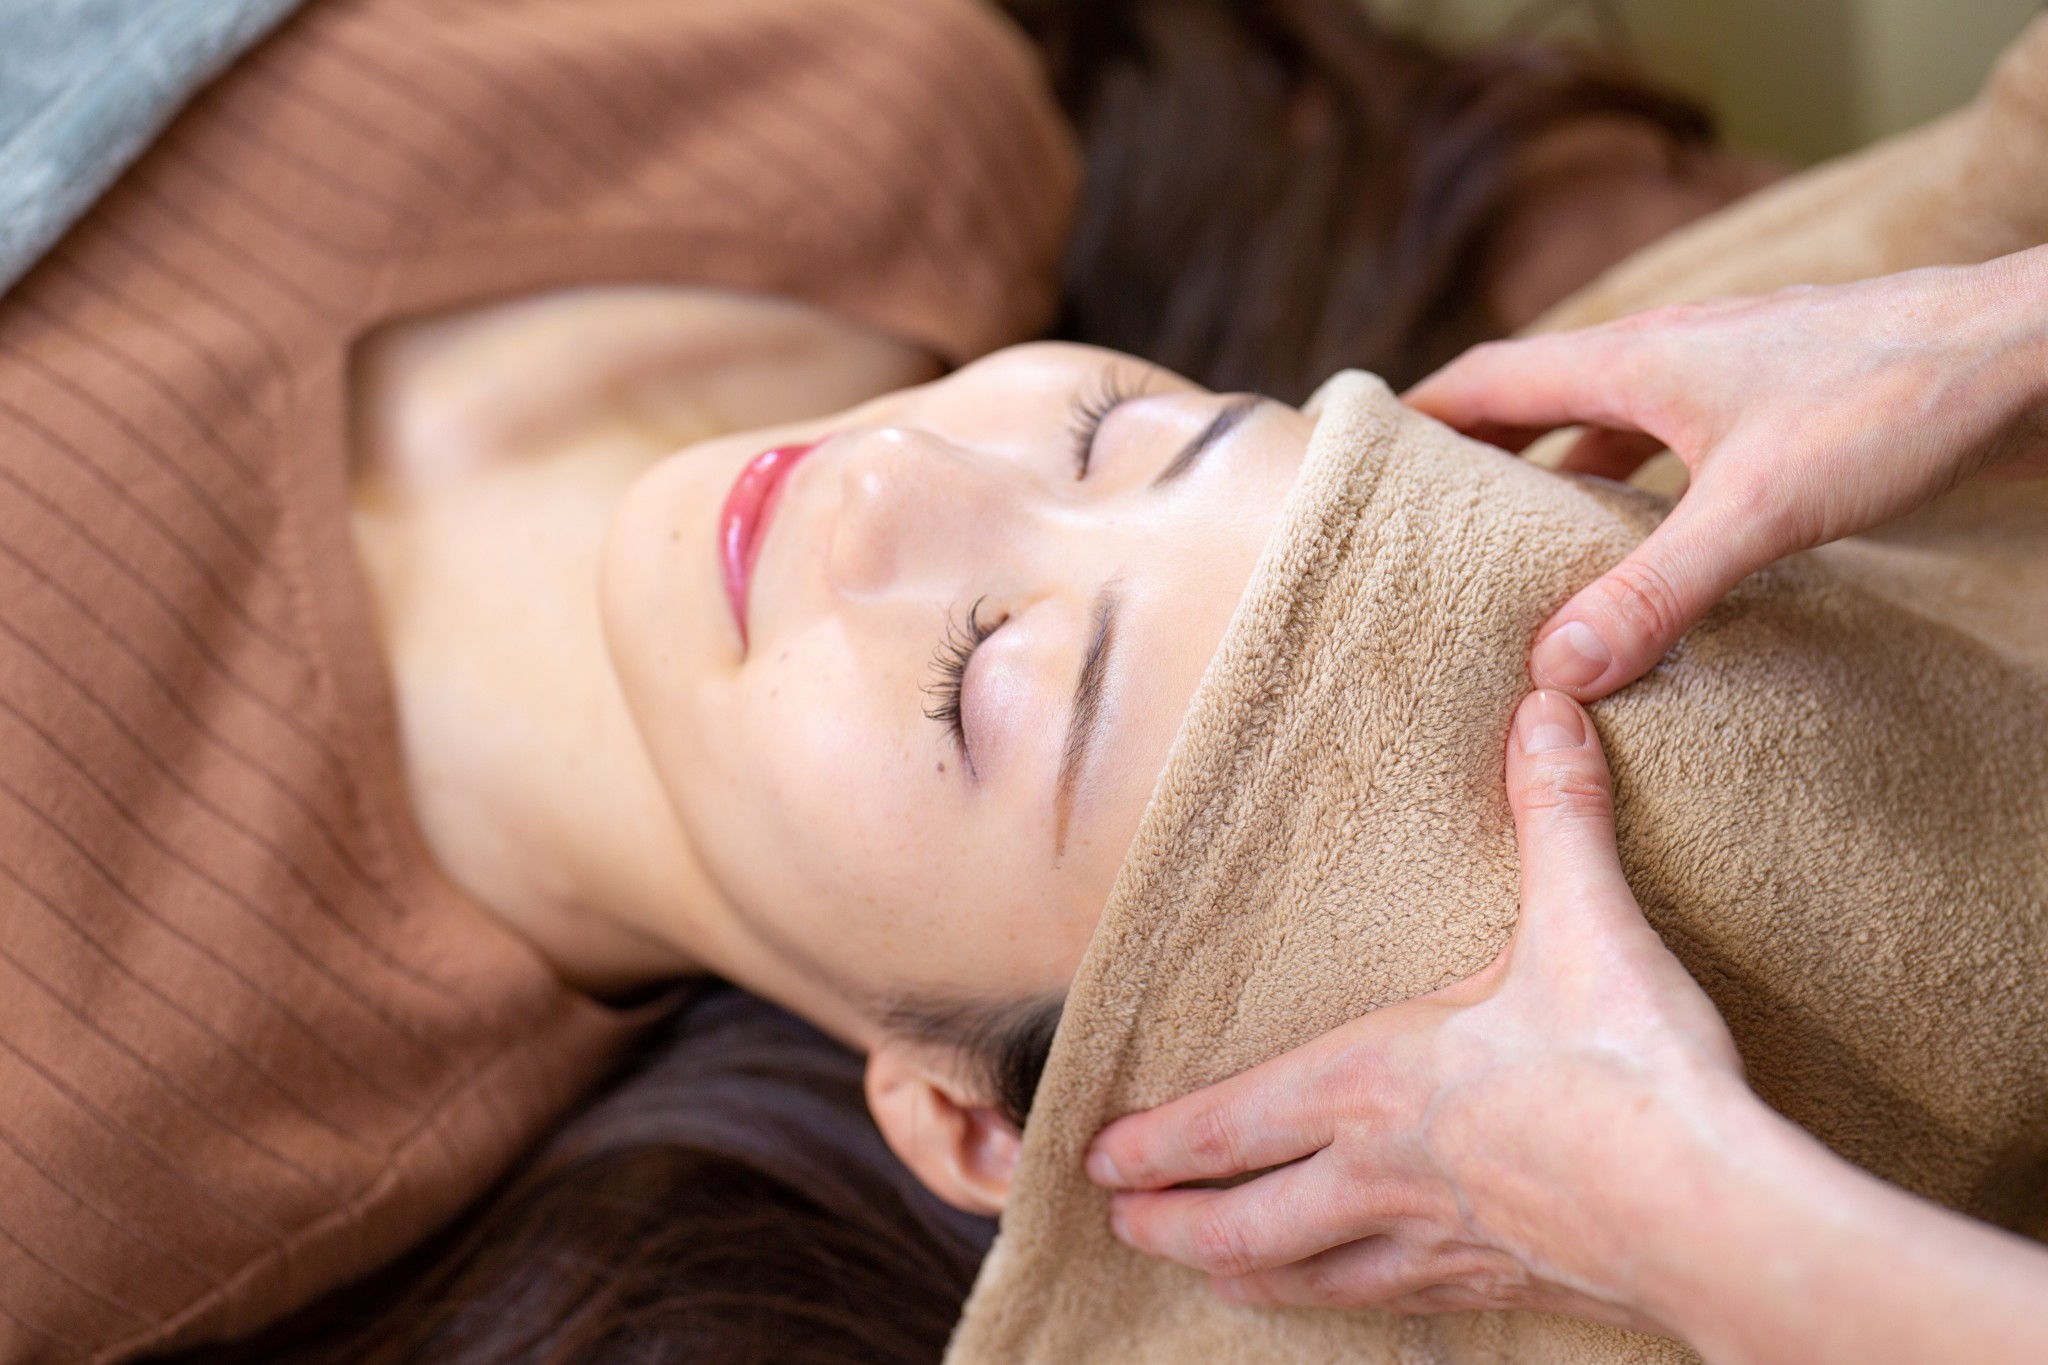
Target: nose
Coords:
[[917, 510]]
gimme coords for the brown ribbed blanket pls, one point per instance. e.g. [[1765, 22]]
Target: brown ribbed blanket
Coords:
[[1833, 805], [252, 1042]]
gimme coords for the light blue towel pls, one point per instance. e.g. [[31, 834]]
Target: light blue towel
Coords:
[[84, 87]]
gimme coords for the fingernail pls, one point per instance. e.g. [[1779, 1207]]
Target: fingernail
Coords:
[[1229, 1290], [1573, 655], [1549, 721], [1119, 1226], [1102, 1170]]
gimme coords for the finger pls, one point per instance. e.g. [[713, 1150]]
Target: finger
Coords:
[[1266, 1116], [1281, 1217], [1529, 386], [1618, 627], [1514, 440], [1609, 454], [1562, 797], [1377, 1271]]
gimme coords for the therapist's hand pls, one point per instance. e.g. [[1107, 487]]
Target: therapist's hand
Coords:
[[1803, 416], [1566, 1131], [1474, 1148]]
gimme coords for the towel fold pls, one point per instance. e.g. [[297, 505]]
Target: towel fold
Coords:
[[1832, 807]]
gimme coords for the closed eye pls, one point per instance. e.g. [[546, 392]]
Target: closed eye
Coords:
[[1111, 388], [950, 661]]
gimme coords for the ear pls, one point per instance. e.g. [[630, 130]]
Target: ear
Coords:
[[964, 1152]]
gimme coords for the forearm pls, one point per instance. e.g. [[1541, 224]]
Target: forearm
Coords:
[[1781, 1253]]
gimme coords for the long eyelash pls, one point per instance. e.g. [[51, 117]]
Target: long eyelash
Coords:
[[955, 652], [1092, 406]]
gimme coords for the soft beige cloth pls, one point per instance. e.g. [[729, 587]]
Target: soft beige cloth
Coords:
[[1833, 808], [1833, 805]]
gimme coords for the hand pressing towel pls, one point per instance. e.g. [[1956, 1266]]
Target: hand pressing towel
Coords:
[[1833, 803]]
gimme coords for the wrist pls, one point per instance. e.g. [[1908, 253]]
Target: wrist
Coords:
[[1607, 1202], [1715, 1225], [2011, 296], [1711, 1216], [1764, 1247]]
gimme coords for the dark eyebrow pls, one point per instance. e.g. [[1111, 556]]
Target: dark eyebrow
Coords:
[[1086, 717], [1223, 424]]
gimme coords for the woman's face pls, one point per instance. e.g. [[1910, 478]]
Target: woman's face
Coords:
[[975, 614]]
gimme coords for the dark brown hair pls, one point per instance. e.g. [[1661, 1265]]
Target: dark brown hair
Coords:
[[1276, 188], [727, 1202]]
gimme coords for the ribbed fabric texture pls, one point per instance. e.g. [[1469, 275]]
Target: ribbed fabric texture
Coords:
[[251, 1042]]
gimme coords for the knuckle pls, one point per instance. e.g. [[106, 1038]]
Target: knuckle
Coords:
[[1441, 1298], [1567, 784], [1324, 1286], [1346, 1079], [1640, 594], [1137, 1168], [1221, 1245], [1652, 322], [1214, 1140], [1343, 1085], [1746, 494], [1754, 506]]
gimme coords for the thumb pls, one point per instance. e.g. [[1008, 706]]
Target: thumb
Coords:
[[1617, 628], [1563, 802]]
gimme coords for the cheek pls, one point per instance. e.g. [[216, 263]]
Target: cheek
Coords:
[[816, 807], [831, 830]]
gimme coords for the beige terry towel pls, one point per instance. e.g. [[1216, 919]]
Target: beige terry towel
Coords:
[[1833, 806]]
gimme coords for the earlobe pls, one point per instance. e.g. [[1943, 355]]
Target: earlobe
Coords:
[[963, 1152]]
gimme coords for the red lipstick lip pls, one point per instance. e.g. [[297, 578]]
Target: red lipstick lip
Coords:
[[744, 521]]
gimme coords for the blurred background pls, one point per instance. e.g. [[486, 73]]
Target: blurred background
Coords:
[[1802, 79]]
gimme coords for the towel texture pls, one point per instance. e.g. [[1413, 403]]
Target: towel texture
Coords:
[[1832, 800], [1831, 807]]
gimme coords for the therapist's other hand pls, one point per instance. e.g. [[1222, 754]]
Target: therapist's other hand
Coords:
[[1802, 416], [1466, 1149]]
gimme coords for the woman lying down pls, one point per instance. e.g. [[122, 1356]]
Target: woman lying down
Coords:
[[862, 713], [384, 697], [888, 696]]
